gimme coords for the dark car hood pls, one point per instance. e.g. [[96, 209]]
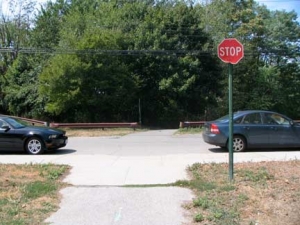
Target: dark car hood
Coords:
[[44, 129]]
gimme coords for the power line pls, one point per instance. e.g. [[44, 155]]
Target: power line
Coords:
[[102, 51], [212, 51]]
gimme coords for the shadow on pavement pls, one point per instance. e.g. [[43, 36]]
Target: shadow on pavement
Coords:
[[224, 150], [60, 152], [12, 153], [218, 150], [57, 152], [274, 150]]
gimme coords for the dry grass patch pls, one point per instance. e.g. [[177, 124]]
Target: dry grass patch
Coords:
[[100, 132], [29, 193], [264, 193], [190, 130]]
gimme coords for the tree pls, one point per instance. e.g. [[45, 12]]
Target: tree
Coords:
[[281, 42], [176, 83], [89, 85], [270, 40], [14, 33], [47, 27], [287, 96], [20, 88], [104, 57]]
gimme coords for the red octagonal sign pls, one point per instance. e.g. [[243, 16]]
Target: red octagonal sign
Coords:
[[231, 51]]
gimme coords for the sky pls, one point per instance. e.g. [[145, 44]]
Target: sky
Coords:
[[287, 5]]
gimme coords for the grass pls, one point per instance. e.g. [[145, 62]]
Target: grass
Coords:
[[265, 193], [29, 193], [96, 132], [189, 130], [261, 193]]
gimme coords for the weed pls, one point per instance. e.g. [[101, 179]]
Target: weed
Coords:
[[56, 172], [47, 207], [3, 202], [13, 211], [190, 130], [253, 222], [194, 167], [224, 216], [204, 202], [182, 183], [202, 185], [242, 198], [37, 189], [226, 188], [52, 172], [218, 214], [198, 217], [261, 175]]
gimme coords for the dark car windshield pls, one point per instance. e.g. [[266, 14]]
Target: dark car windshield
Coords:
[[16, 124]]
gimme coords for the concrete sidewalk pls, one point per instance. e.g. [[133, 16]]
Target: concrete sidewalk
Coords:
[[126, 206], [100, 170], [105, 170], [110, 205]]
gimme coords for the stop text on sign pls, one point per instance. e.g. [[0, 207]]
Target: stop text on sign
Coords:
[[230, 50]]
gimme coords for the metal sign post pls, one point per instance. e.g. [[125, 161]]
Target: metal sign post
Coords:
[[230, 51], [230, 142]]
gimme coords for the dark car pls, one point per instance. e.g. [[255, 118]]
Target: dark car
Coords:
[[254, 129], [15, 135]]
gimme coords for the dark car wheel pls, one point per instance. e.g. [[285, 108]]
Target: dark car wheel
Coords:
[[239, 144], [34, 146]]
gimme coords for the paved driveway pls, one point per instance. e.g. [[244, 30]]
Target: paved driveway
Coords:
[[100, 165]]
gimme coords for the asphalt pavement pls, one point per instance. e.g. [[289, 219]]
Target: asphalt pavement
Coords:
[[101, 166]]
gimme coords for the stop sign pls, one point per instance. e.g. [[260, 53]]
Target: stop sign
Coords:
[[231, 51]]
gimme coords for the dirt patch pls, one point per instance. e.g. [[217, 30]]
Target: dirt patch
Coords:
[[263, 193]]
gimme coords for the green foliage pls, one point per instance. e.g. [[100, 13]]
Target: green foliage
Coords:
[[63, 73], [166, 93], [190, 130], [29, 192], [37, 189], [198, 217], [175, 85], [109, 56], [288, 83], [46, 32], [20, 89], [217, 205], [52, 172], [242, 198], [203, 202], [260, 176], [270, 42]]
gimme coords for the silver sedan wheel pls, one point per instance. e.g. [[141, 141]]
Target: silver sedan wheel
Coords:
[[34, 146], [239, 144]]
